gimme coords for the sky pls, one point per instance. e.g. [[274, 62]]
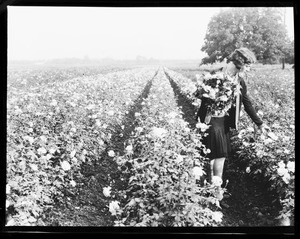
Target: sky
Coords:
[[41, 33]]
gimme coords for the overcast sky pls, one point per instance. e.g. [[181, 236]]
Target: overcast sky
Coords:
[[40, 33]]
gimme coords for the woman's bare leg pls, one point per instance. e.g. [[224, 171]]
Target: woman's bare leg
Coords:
[[218, 166], [211, 169]]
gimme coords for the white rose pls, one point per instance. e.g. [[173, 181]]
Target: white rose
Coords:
[[203, 127], [282, 171], [73, 183], [217, 216], [216, 181], [42, 151], [33, 167], [114, 207], [248, 170], [197, 172], [291, 166], [65, 166], [111, 153], [159, 132], [106, 191], [129, 149]]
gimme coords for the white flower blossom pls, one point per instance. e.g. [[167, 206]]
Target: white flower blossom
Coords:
[[172, 114], [291, 166], [248, 170], [29, 139], [7, 189], [203, 127], [129, 149], [179, 159], [197, 172], [216, 181], [65, 166], [41, 151], [281, 164], [73, 183], [159, 132], [282, 171], [111, 153], [114, 207], [286, 178], [34, 167], [106, 191], [217, 216], [111, 113]]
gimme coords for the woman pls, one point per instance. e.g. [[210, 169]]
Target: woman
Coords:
[[218, 134]]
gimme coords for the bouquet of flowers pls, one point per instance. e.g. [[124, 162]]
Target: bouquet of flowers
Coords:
[[220, 90]]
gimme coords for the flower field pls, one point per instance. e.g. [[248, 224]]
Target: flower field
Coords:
[[57, 126]]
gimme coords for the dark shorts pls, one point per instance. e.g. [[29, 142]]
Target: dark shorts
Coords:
[[217, 140]]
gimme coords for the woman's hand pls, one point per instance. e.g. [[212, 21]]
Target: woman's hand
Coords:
[[263, 128]]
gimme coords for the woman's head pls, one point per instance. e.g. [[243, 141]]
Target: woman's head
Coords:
[[242, 57]]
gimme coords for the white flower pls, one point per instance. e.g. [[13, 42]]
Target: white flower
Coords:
[[114, 207], [7, 203], [159, 132], [272, 136], [179, 158], [291, 166], [281, 164], [33, 167], [248, 170], [98, 122], [41, 151], [106, 191], [216, 181], [286, 178], [260, 113], [172, 115], [43, 138], [111, 153], [7, 189], [72, 154], [139, 129], [53, 103], [223, 98], [111, 113], [250, 129], [157, 146], [30, 139], [129, 149], [91, 106], [65, 165], [282, 171], [197, 172], [203, 127], [217, 216], [137, 114], [73, 183]]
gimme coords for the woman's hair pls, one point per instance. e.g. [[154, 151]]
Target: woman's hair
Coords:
[[242, 56]]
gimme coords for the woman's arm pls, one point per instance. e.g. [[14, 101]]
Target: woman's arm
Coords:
[[248, 105], [201, 114]]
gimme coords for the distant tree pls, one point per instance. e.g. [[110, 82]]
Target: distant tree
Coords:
[[259, 29], [289, 55]]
